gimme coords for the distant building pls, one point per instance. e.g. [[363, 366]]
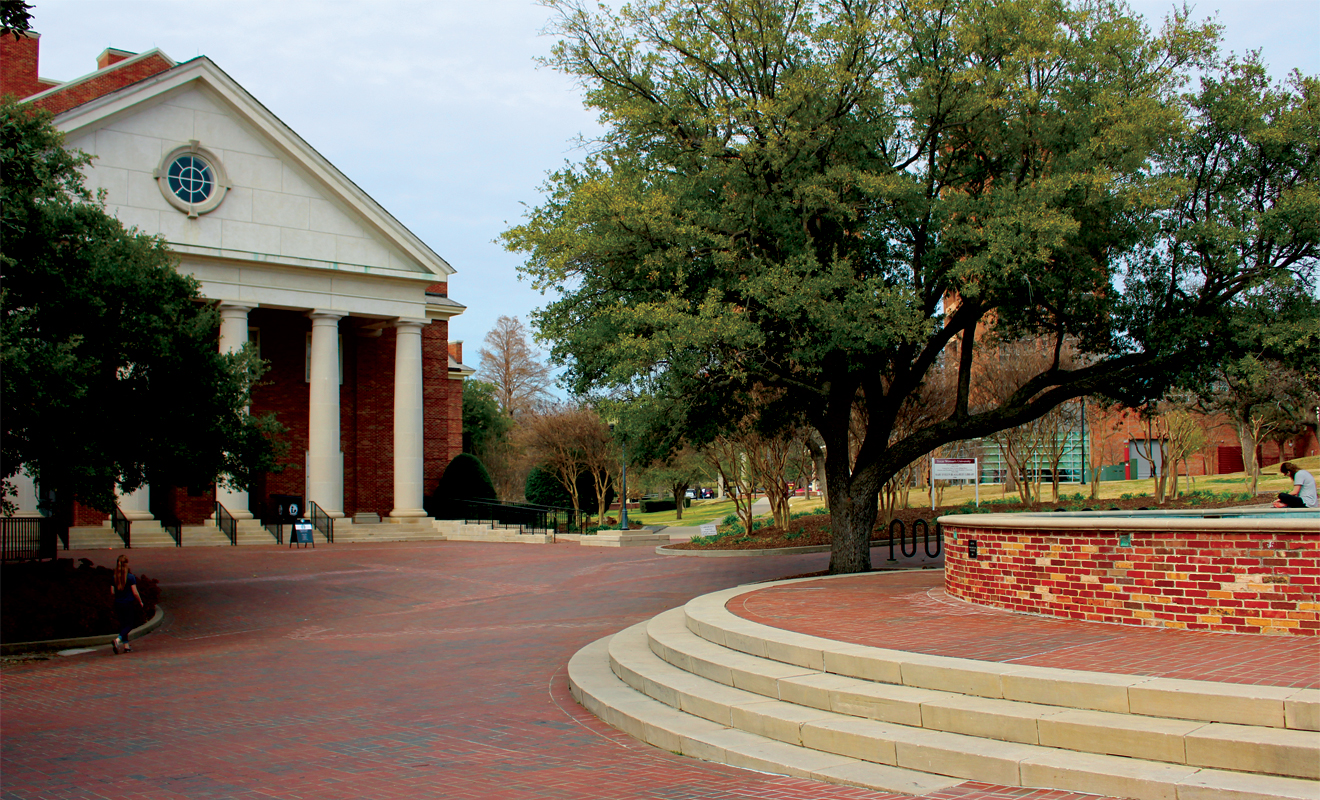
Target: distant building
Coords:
[[348, 306]]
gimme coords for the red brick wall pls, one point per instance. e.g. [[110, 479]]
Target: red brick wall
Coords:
[[113, 79], [1244, 582], [368, 451], [442, 429], [18, 66]]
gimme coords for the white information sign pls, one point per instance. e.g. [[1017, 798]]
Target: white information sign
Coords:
[[708, 529], [954, 469]]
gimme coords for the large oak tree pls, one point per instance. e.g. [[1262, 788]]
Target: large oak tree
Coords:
[[812, 206]]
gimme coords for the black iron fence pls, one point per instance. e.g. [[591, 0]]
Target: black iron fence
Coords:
[[175, 529], [122, 526], [908, 545], [226, 523], [31, 538], [322, 521], [526, 517]]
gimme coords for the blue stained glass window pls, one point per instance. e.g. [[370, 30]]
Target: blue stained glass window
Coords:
[[191, 179]]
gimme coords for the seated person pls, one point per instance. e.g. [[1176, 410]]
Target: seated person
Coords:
[[1303, 493]]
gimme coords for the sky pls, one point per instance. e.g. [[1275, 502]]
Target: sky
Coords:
[[439, 110]]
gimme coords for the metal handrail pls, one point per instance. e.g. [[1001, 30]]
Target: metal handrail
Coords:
[[27, 538], [122, 526], [174, 528], [226, 523], [322, 521], [528, 517]]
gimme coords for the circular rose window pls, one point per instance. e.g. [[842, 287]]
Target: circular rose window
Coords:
[[192, 179]]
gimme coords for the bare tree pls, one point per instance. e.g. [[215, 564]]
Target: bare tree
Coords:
[[727, 456], [1186, 436], [510, 363]]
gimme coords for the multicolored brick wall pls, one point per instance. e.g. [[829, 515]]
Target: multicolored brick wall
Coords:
[[1235, 581]]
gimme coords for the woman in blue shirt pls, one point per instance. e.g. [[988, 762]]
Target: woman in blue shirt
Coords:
[[128, 604]]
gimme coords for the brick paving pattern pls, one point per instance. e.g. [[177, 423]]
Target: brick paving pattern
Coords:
[[383, 671], [911, 611]]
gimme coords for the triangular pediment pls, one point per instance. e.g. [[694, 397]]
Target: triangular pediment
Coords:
[[283, 203]]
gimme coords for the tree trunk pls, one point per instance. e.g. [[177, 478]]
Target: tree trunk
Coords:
[[818, 465], [853, 507], [679, 492]]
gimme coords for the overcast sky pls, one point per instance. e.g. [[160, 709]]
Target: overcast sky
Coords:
[[437, 108]]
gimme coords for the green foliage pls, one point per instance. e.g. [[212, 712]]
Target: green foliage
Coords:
[[465, 478], [111, 371], [485, 427], [788, 194], [649, 505], [543, 488]]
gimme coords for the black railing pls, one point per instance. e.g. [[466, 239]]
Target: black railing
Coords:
[[526, 517], [175, 529], [322, 521], [122, 526], [904, 542], [226, 523], [275, 529], [29, 538]]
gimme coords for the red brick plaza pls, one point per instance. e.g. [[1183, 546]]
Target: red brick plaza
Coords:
[[438, 670]]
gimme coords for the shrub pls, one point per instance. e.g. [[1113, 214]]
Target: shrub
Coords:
[[465, 478], [544, 489], [662, 504], [54, 600]]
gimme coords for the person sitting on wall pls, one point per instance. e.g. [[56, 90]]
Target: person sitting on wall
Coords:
[[1303, 493]]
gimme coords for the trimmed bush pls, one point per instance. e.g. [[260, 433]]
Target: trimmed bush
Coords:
[[465, 478], [662, 504], [544, 489]]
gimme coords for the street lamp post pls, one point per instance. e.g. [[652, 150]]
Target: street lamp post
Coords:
[[623, 501]]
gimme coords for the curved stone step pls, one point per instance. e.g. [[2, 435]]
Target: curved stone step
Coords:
[[1204, 701], [600, 691], [1244, 748], [952, 755]]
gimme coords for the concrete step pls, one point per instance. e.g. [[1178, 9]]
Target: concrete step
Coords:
[[1205, 701], [597, 688], [937, 752], [458, 531], [419, 530], [1243, 748], [641, 538]]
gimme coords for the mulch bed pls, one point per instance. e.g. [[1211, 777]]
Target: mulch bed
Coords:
[[57, 600], [814, 529]]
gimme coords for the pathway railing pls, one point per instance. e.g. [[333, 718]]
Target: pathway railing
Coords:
[[527, 517], [175, 529], [29, 538], [226, 523], [122, 526], [904, 541], [322, 521]]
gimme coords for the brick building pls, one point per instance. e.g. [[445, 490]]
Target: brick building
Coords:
[[349, 308]]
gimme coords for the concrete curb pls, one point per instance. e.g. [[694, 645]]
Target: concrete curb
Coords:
[[665, 550], [104, 640]]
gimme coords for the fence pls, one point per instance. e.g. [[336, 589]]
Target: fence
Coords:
[[322, 521], [122, 526], [30, 538], [226, 523]]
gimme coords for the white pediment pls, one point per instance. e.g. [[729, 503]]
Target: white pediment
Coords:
[[286, 205]]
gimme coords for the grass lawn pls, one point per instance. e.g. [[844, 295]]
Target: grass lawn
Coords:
[[1271, 482]]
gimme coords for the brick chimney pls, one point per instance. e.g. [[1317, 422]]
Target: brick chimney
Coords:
[[18, 65], [456, 351], [112, 56]]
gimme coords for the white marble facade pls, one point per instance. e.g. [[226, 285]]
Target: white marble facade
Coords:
[[291, 232]]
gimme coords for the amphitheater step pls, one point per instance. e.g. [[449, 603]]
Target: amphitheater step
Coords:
[[597, 688], [1245, 748], [701, 681], [458, 531]]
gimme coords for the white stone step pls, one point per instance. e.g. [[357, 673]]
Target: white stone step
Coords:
[[1236, 747], [459, 531], [596, 687], [1205, 701], [953, 755]]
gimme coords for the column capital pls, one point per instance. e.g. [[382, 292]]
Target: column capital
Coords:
[[225, 305], [326, 314], [409, 322]]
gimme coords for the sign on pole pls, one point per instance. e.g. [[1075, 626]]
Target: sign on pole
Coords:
[[956, 469]]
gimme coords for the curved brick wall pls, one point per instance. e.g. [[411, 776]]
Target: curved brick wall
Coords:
[[1235, 575]]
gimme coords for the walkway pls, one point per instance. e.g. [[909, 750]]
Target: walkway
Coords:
[[383, 671]]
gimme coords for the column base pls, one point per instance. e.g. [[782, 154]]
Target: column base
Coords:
[[401, 514]]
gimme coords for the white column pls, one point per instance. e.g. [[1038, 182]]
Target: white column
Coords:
[[408, 488], [137, 505], [24, 496], [325, 461], [233, 335]]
